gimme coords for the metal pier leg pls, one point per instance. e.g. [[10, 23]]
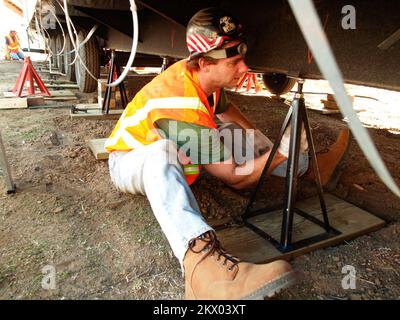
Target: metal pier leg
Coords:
[[291, 175]]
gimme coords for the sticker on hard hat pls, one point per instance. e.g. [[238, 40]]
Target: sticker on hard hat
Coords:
[[227, 25]]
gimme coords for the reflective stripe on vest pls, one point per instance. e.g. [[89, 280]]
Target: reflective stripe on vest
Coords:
[[192, 172], [174, 94]]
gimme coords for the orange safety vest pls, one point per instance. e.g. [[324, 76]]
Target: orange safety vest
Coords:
[[13, 44], [174, 94]]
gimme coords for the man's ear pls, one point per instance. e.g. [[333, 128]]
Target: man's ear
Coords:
[[203, 64]]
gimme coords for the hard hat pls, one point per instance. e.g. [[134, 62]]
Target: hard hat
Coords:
[[210, 29]]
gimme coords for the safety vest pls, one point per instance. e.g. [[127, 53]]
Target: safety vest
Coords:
[[174, 94], [13, 44]]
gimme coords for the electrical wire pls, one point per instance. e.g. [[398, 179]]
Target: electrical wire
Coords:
[[73, 40], [62, 30], [134, 45], [89, 35]]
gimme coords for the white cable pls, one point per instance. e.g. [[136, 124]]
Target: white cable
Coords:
[[74, 29], [73, 40], [62, 30], [46, 39], [317, 41], [134, 46], [89, 35]]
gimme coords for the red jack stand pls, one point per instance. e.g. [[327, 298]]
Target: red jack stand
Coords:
[[249, 76], [28, 73]]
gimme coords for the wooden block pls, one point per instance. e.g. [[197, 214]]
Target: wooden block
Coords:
[[97, 148], [331, 105], [330, 97], [9, 94], [115, 100], [100, 103], [62, 93], [87, 106], [35, 101], [62, 85], [13, 103], [343, 216], [322, 110]]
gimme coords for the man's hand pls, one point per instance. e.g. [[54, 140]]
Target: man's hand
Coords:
[[261, 142]]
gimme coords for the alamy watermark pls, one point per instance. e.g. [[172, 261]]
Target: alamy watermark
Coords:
[[49, 278], [49, 14], [349, 280], [203, 146], [349, 18]]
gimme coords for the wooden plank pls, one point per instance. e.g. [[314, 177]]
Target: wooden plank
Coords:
[[13, 103], [322, 110], [72, 98], [96, 114], [63, 85], [97, 148], [35, 101], [62, 93], [54, 93], [345, 217], [86, 106]]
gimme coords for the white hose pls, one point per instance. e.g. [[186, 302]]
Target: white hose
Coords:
[[73, 40], [89, 35], [62, 30], [41, 32], [134, 46], [91, 32], [133, 49]]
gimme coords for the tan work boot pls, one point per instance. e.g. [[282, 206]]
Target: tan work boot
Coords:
[[213, 274], [330, 162]]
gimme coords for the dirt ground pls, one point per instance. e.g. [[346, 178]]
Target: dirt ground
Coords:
[[107, 245]]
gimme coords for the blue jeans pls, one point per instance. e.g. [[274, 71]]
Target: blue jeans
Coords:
[[17, 55], [151, 171]]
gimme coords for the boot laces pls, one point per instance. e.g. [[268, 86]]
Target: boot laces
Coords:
[[213, 246]]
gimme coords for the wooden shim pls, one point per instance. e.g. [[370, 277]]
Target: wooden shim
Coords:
[[63, 85], [331, 105], [62, 93], [35, 101], [96, 114], [87, 106], [97, 148], [13, 103], [322, 110], [343, 216], [54, 94], [62, 82]]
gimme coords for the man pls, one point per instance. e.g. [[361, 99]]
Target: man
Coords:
[[13, 46], [167, 133]]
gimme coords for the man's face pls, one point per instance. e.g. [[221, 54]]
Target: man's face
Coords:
[[227, 72]]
